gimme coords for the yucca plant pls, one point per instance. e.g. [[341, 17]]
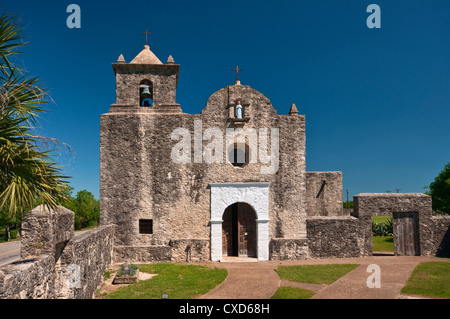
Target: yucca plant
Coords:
[[382, 229], [28, 176]]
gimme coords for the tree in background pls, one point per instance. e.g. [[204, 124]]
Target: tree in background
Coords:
[[440, 191], [348, 204], [86, 209]]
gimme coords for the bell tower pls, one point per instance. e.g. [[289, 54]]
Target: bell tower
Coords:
[[146, 84]]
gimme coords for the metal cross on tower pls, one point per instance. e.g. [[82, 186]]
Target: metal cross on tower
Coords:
[[237, 72], [146, 35]]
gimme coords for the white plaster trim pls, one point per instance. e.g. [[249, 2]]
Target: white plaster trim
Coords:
[[226, 194]]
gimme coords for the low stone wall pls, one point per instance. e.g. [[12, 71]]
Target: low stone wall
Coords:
[[28, 279], [178, 250], [55, 264], [439, 229], [133, 254], [288, 249], [46, 231], [190, 250], [367, 205], [93, 255], [337, 237]]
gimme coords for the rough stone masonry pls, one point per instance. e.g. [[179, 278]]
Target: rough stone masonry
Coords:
[[54, 263], [194, 209]]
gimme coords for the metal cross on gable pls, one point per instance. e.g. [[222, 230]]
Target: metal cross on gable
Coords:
[[237, 72], [146, 35]]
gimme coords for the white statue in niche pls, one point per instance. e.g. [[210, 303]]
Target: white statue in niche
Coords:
[[239, 110]]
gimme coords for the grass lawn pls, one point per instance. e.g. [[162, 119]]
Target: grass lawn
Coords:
[[314, 274], [176, 280], [382, 243], [292, 293], [429, 279]]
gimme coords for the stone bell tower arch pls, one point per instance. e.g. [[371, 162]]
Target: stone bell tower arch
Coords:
[[144, 78]]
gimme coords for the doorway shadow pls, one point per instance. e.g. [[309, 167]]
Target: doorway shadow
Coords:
[[383, 253]]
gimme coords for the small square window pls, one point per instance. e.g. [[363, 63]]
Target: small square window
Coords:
[[145, 226]]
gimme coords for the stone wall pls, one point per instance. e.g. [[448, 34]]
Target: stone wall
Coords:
[[46, 231], [92, 253], [134, 254], [190, 250], [439, 229], [288, 249], [337, 237], [351, 236], [164, 79], [324, 194], [386, 204], [177, 250], [32, 278], [55, 264]]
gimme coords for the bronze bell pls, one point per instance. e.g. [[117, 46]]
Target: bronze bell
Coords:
[[146, 93]]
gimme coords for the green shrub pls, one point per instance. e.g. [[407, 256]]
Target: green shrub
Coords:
[[382, 228], [13, 233]]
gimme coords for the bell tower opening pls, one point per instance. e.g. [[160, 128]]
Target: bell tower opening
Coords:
[[146, 93]]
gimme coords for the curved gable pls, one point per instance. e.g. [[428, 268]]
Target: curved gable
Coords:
[[256, 105]]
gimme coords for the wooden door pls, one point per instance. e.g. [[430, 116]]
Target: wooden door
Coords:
[[405, 234], [239, 231], [247, 230], [228, 231]]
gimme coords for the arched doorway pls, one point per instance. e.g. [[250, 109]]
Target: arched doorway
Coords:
[[239, 231]]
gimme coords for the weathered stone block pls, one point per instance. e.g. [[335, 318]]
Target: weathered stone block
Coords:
[[337, 237], [190, 250], [324, 194], [46, 231], [288, 249]]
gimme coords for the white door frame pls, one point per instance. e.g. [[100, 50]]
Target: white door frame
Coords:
[[226, 194]]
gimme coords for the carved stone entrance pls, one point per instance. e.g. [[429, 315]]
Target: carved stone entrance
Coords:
[[239, 231]]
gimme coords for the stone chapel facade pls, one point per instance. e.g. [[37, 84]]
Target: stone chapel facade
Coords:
[[216, 184]]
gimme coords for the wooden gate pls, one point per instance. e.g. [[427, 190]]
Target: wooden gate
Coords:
[[405, 231], [239, 231]]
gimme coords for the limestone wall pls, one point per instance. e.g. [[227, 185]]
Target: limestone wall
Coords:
[[55, 264], [288, 249], [439, 229], [337, 237], [324, 194], [92, 253], [350, 236], [433, 230], [29, 279], [128, 77]]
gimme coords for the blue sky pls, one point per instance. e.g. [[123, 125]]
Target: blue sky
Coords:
[[377, 101]]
